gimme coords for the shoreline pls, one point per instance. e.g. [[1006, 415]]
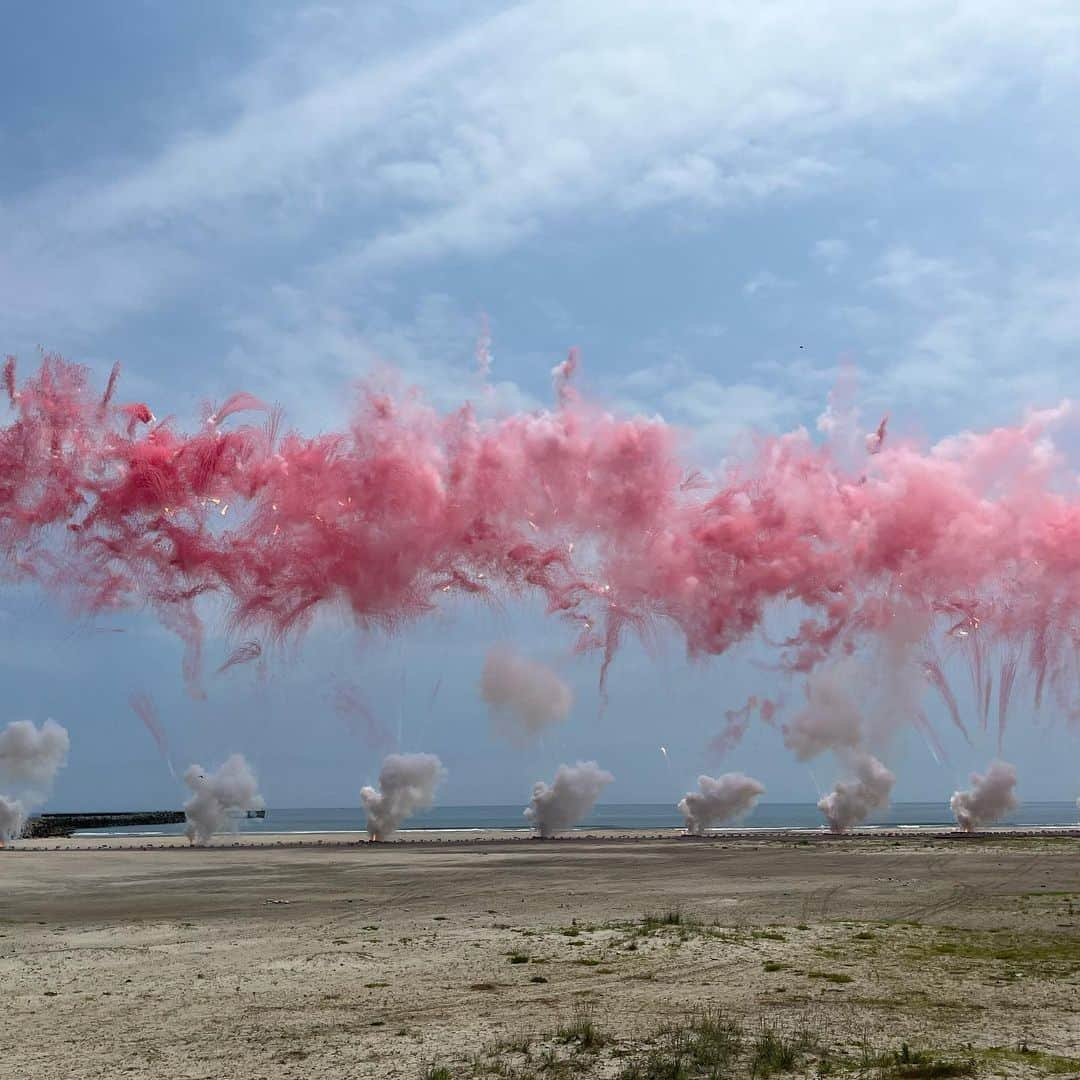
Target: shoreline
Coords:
[[516, 837]]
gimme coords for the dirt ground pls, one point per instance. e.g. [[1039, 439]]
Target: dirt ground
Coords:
[[399, 960]]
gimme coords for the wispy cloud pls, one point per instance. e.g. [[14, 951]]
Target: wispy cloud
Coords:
[[716, 415], [831, 253], [468, 141], [764, 282], [309, 353], [975, 331]]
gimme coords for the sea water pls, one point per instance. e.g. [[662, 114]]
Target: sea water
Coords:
[[640, 816]]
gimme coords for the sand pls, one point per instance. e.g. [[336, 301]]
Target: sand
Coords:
[[353, 960]]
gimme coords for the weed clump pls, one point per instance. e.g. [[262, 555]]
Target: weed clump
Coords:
[[581, 1031], [908, 1064], [673, 916]]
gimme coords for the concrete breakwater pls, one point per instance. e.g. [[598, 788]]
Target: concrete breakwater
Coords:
[[66, 824]]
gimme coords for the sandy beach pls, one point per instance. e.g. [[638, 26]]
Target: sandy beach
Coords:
[[318, 960]]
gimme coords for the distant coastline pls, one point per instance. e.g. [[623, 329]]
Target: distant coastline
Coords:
[[632, 817]]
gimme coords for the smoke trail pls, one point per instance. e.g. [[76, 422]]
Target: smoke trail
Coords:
[[875, 441], [30, 758], [144, 708], [588, 510], [524, 697], [407, 783], [242, 654], [736, 721], [1005, 686], [936, 678], [12, 820], [852, 801], [483, 348], [358, 717], [217, 796], [722, 798], [990, 797], [562, 805]]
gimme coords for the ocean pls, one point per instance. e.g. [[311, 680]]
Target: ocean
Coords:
[[643, 816]]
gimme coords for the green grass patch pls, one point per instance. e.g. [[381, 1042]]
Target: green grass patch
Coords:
[[1034, 953], [909, 1064], [830, 976], [1048, 1064]]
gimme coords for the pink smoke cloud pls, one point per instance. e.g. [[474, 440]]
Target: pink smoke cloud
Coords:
[[980, 533]]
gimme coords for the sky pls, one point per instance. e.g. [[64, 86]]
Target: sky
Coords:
[[723, 205]]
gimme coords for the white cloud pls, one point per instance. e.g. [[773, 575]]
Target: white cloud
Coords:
[[474, 138], [47, 285], [975, 331], [716, 414], [309, 354], [831, 253], [725, 409], [764, 282]]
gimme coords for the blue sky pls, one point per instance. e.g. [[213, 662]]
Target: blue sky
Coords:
[[721, 204]]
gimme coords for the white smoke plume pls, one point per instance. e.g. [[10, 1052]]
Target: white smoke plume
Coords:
[[407, 783], [30, 758], [831, 719], [217, 795], [989, 799], [524, 697], [852, 800], [562, 805], [33, 756], [720, 798], [12, 819], [858, 703]]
